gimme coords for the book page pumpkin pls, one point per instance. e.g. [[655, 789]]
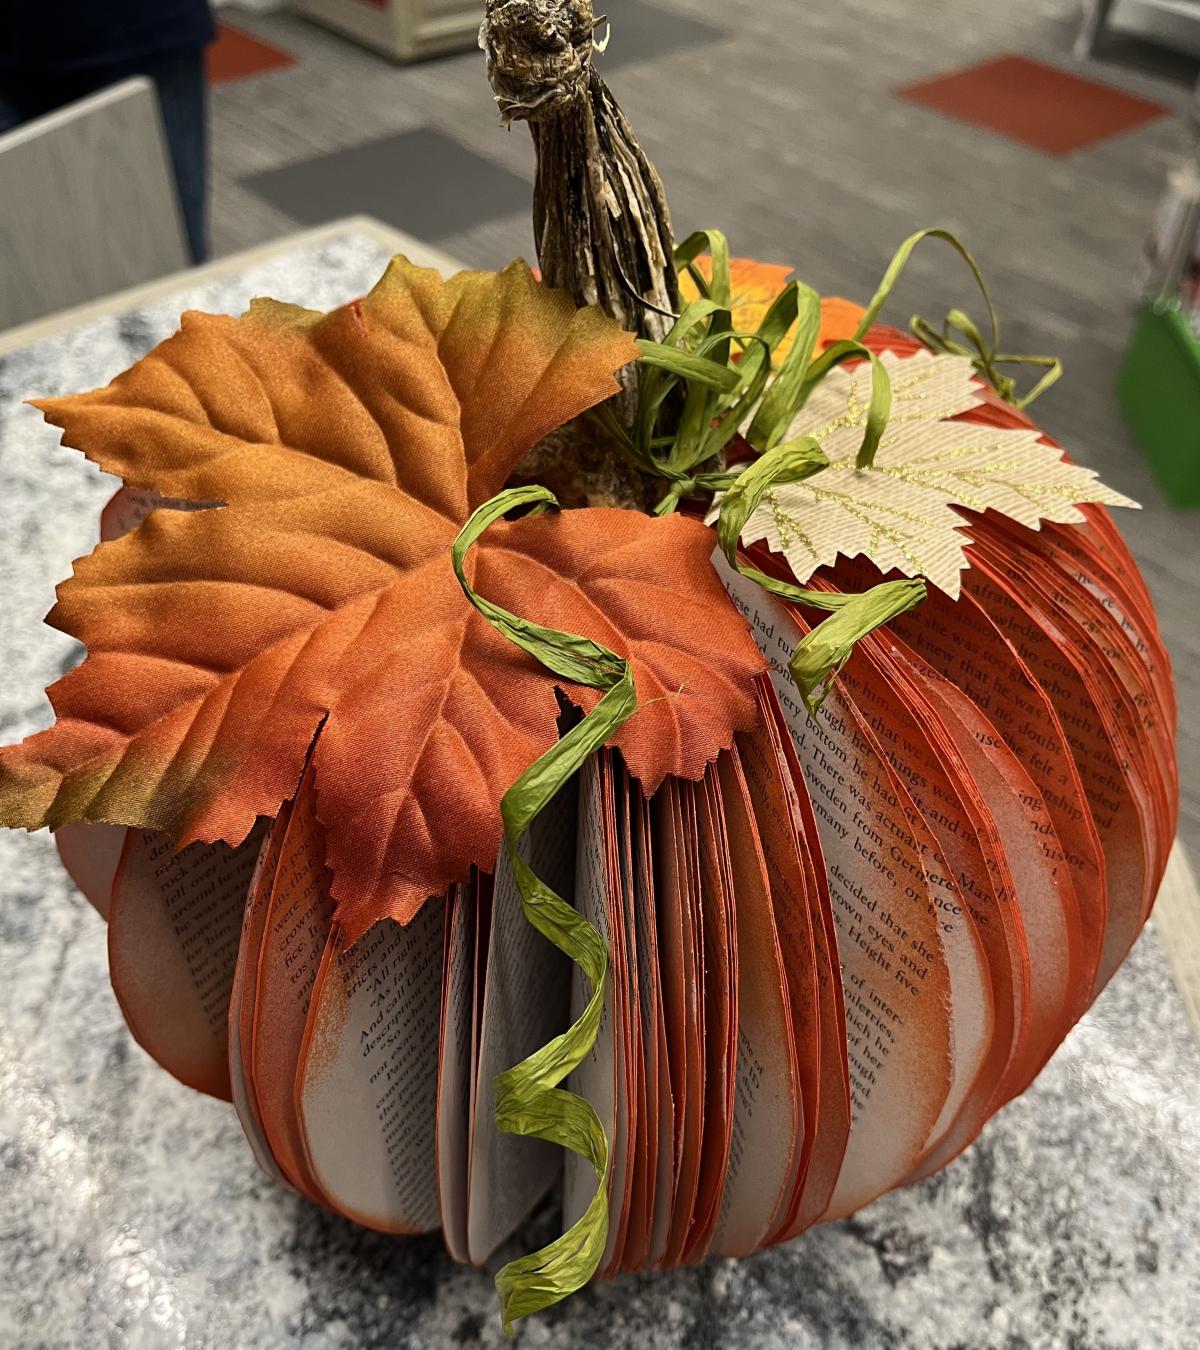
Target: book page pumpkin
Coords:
[[839, 938], [737, 861]]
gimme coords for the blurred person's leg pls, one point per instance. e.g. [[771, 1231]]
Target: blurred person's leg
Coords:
[[183, 103], [183, 100]]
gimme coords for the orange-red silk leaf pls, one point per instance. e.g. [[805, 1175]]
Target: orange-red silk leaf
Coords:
[[756, 286], [349, 449]]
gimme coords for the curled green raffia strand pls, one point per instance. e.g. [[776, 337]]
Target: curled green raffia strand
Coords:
[[823, 651], [726, 377], [695, 367], [726, 380], [984, 357], [880, 407], [712, 378], [984, 353], [719, 286], [529, 1098], [715, 408], [782, 398]]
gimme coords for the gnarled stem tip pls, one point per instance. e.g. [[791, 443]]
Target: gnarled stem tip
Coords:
[[538, 54], [601, 222]]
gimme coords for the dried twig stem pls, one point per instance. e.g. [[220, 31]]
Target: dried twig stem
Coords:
[[600, 214]]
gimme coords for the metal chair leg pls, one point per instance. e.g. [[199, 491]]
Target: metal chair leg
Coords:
[[1095, 20]]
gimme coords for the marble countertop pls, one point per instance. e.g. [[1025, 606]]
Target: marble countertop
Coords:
[[132, 1213]]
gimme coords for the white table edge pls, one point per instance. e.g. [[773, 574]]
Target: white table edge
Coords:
[[1177, 921]]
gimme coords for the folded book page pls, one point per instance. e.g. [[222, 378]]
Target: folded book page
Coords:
[[660, 1124], [91, 855], [293, 931], [366, 1082], [622, 1142], [897, 990], [631, 1244], [1117, 802], [598, 1079], [456, 1070], [175, 923], [767, 1136], [682, 1010], [244, 993], [800, 904]]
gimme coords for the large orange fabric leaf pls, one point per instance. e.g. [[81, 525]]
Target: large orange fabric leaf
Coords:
[[348, 450], [428, 389]]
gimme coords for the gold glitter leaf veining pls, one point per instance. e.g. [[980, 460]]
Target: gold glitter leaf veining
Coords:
[[901, 513]]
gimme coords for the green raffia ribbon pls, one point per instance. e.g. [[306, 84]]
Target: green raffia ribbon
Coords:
[[727, 379], [984, 353], [731, 391], [724, 378], [827, 647], [529, 1098], [880, 407], [984, 356], [712, 377]]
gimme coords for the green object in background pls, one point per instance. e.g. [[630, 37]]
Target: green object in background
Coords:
[[1159, 393]]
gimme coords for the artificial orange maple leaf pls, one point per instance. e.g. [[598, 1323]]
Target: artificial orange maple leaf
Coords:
[[755, 286], [839, 320], [348, 450]]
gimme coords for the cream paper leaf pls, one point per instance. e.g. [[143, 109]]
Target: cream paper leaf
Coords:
[[901, 512]]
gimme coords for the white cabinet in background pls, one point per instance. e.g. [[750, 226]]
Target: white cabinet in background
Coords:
[[405, 30]]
